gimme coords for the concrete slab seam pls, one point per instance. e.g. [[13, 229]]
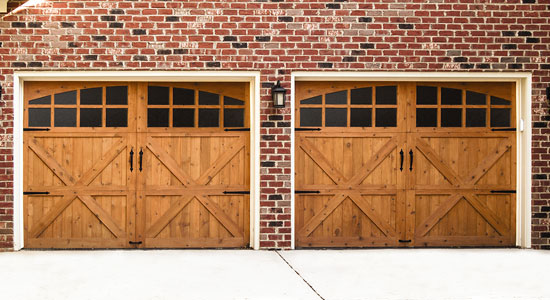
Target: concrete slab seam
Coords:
[[297, 273]]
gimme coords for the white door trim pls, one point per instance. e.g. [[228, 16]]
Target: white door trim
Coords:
[[523, 110], [253, 78]]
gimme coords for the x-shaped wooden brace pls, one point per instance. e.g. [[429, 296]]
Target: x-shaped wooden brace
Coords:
[[76, 186], [344, 183], [459, 182], [189, 184]]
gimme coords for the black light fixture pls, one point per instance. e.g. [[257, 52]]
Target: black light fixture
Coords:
[[278, 93], [548, 94]]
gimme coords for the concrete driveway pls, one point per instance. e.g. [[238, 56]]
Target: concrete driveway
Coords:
[[301, 274]]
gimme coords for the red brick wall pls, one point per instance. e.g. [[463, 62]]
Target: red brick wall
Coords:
[[279, 37]]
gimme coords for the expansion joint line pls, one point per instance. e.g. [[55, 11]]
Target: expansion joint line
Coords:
[[297, 273]]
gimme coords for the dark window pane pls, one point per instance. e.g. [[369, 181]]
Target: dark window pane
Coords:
[[184, 97], [42, 100], [500, 117], [499, 101], [475, 117], [426, 95], [340, 97], [361, 96], [473, 98], [65, 117], [184, 117], [426, 117], [233, 117], [232, 101], [451, 117], [311, 117], [386, 95], [451, 97], [158, 95], [116, 117], [336, 117], [209, 117], [117, 95], [314, 100], [206, 98], [92, 96], [361, 117], [386, 117], [39, 117], [65, 98], [90, 117], [157, 117]]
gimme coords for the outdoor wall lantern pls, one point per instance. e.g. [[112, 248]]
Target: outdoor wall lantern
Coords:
[[278, 93]]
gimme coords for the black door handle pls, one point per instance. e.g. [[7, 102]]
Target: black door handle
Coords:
[[132, 160], [411, 166], [402, 158], [140, 159]]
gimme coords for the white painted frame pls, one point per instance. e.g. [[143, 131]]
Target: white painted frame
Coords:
[[523, 82], [19, 79]]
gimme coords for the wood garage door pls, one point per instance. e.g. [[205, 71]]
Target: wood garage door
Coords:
[[405, 164], [119, 165]]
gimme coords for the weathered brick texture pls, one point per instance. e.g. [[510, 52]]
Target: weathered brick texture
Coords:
[[277, 38]]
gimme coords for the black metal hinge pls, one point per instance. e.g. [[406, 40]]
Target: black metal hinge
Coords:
[[307, 129], [237, 129], [135, 243], [36, 193], [503, 191], [405, 241], [306, 192], [36, 129], [503, 129], [237, 192]]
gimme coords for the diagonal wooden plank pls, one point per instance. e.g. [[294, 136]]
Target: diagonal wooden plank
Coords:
[[486, 213], [331, 205], [488, 162], [220, 215], [102, 215], [170, 163], [168, 216], [100, 165], [321, 161], [224, 159], [51, 163], [52, 214], [437, 162], [374, 217], [437, 215], [373, 162]]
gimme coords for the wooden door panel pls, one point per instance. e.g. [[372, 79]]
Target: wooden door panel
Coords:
[[89, 190], [474, 203], [186, 178], [356, 183]]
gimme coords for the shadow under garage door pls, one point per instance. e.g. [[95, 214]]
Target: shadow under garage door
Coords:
[[124, 165], [391, 164]]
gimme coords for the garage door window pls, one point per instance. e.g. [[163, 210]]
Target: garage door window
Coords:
[[105, 106], [351, 108], [188, 108]]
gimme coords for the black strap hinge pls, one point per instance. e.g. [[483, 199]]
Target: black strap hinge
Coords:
[[36, 193], [503, 191], [306, 192], [237, 192], [36, 129], [307, 129], [503, 129], [237, 129]]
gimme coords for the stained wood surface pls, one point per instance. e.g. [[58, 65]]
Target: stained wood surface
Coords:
[[446, 200], [177, 200]]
